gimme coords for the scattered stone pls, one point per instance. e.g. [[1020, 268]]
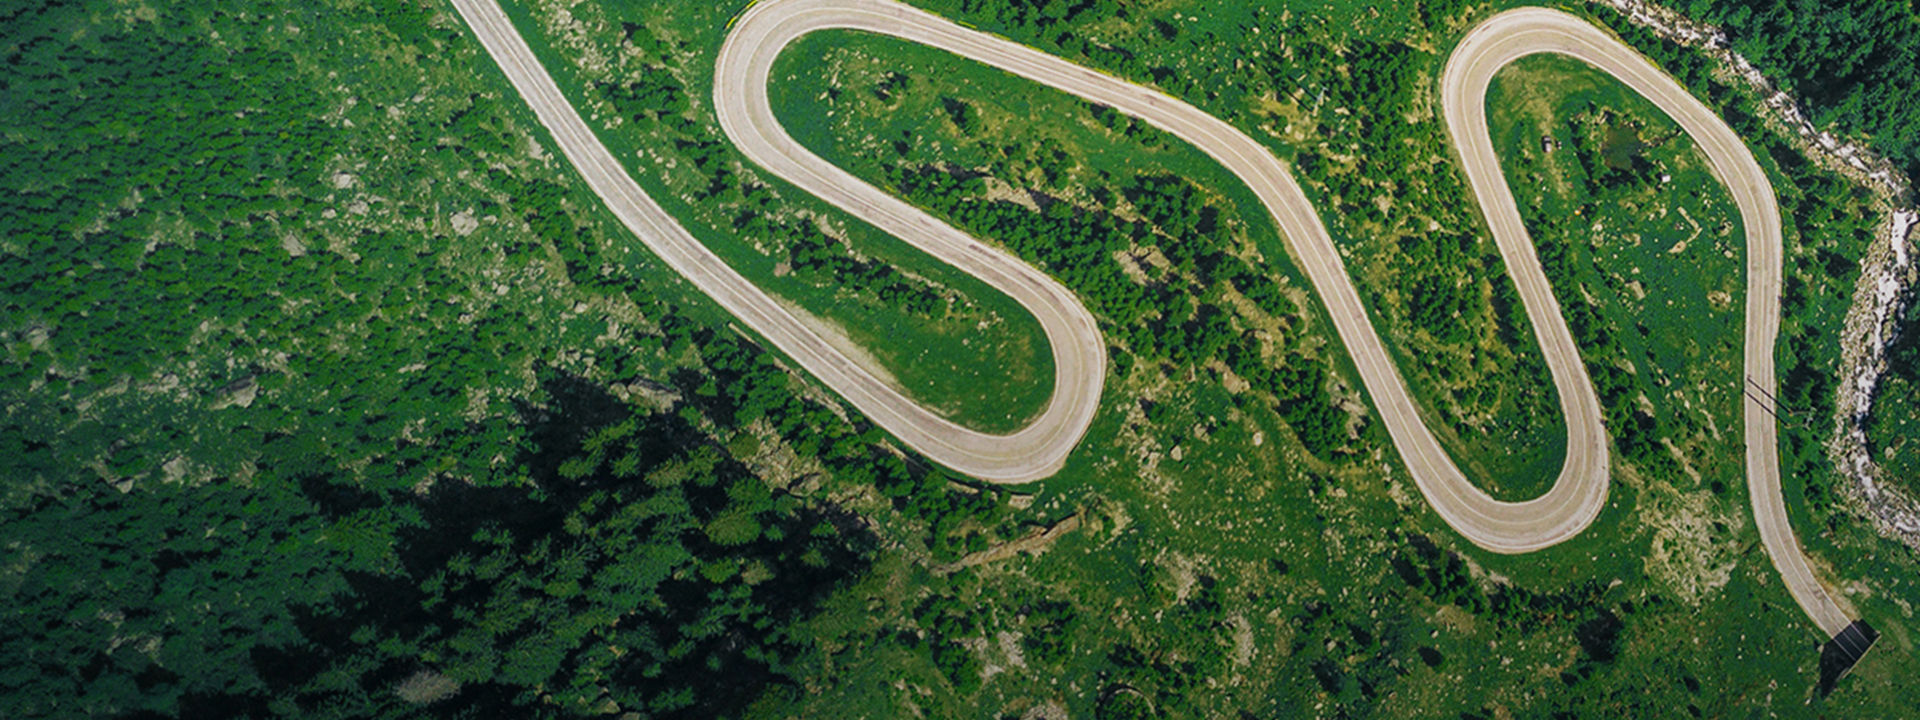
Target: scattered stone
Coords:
[[1009, 643], [1872, 325], [173, 471], [237, 393], [426, 687], [1886, 277], [660, 396], [464, 222]]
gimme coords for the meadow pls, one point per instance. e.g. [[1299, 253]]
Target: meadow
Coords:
[[358, 403]]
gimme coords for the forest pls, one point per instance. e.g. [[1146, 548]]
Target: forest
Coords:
[[1164, 322], [326, 390], [1854, 63], [1444, 299], [1438, 282], [246, 471]]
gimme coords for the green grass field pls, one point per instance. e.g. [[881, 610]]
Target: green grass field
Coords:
[[983, 362], [318, 448], [1290, 541], [1648, 234]]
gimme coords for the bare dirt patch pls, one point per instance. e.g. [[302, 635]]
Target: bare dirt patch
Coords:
[[1034, 542]]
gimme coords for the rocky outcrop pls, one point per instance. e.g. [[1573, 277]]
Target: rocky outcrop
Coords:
[[1886, 283], [1846, 157], [1887, 273]]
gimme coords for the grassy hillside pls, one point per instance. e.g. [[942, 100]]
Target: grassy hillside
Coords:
[[330, 391]]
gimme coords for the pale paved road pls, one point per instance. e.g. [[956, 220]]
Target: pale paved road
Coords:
[[1515, 34], [1037, 451], [1079, 354], [745, 114]]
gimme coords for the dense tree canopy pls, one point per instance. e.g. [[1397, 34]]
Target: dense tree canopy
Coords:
[[1856, 63]]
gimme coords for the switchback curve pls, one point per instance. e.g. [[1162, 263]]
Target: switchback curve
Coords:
[[745, 114]]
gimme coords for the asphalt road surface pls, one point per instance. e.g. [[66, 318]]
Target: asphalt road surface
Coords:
[[1518, 33], [1037, 451]]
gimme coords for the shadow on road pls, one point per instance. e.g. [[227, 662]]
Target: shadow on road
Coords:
[[1844, 651]]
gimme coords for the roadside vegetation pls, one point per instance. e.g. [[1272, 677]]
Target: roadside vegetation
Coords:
[[1630, 222], [941, 336], [1180, 264], [1661, 327], [1855, 63], [1828, 222], [1349, 113], [329, 391]]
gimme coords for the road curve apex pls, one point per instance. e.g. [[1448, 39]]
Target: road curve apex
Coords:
[[1078, 349], [1040, 449]]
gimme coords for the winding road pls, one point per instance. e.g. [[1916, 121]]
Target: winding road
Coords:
[[1040, 449]]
